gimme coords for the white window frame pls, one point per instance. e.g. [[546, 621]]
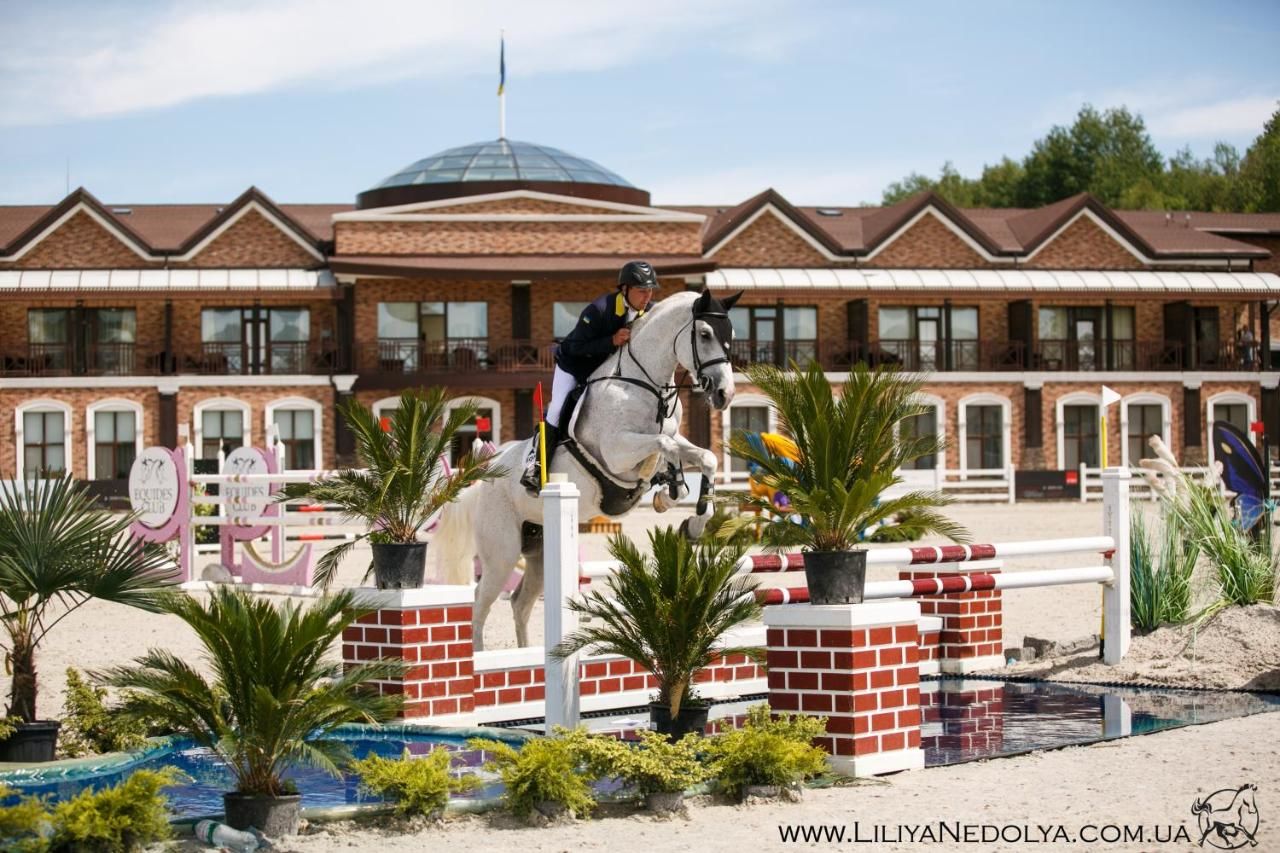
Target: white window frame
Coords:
[[1227, 398], [1145, 398], [91, 429], [483, 403], [384, 403], [1074, 398], [962, 427], [744, 401], [41, 405], [295, 403], [220, 404], [940, 418]]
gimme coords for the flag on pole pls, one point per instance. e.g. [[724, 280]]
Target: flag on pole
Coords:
[[502, 63], [1109, 397]]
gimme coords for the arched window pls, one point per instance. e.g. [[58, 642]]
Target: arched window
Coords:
[[750, 412], [933, 422], [984, 423], [300, 423], [1235, 408], [1142, 416], [489, 414], [221, 423], [43, 438], [1077, 419], [114, 432]]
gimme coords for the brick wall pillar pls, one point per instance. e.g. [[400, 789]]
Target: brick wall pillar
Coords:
[[972, 636], [857, 666], [430, 630], [961, 717]]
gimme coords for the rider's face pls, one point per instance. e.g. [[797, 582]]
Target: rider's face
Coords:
[[639, 297]]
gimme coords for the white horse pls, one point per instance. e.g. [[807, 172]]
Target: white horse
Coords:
[[627, 426]]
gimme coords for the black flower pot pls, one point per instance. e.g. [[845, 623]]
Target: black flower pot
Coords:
[[692, 718], [272, 816], [32, 742], [399, 566], [836, 577]]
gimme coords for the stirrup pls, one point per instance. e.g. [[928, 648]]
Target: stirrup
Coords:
[[532, 480]]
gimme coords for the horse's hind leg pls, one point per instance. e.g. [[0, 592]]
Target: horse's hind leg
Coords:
[[498, 550], [522, 600]]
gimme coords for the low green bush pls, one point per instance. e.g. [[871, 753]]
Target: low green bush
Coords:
[[120, 819], [24, 826], [766, 751], [89, 727], [415, 785], [654, 765], [558, 769]]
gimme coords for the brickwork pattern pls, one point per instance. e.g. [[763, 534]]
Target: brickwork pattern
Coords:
[[253, 241], [769, 242], [930, 244], [972, 622], [865, 681], [80, 243], [518, 238], [524, 205], [1084, 246], [435, 645], [962, 720]]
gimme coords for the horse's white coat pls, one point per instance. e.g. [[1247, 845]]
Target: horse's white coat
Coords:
[[618, 427]]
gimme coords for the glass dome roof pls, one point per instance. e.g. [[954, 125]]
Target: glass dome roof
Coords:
[[502, 160]]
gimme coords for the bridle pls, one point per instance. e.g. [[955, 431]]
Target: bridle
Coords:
[[668, 392]]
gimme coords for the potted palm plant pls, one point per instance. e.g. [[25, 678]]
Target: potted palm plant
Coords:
[[851, 448], [403, 484], [58, 548], [272, 698], [670, 613]]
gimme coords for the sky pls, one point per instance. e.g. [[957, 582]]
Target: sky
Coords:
[[697, 101]]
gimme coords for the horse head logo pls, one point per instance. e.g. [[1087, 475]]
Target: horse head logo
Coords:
[[242, 464], [1228, 818], [151, 469]]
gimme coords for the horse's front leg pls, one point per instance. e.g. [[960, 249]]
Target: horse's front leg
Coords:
[[639, 451], [693, 456]]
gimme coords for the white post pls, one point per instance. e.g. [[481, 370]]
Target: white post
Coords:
[[1115, 595], [1012, 475], [560, 580], [1084, 483]]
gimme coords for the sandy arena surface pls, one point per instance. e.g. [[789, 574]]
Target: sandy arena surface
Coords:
[[1141, 781]]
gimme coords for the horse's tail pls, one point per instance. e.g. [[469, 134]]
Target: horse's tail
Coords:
[[454, 541]]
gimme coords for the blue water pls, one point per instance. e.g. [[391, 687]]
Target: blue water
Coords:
[[209, 778], [962, 720]]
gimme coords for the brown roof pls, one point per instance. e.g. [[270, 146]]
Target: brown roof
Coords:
[[482, 266]]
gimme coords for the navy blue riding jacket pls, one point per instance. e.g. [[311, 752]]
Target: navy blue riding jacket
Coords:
[[590, 343]]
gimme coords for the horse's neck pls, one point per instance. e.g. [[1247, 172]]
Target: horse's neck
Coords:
[[653, 346]]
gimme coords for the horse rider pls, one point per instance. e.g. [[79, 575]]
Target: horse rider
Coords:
[[602, 327]]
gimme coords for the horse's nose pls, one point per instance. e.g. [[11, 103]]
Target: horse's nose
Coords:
[[721, 398]]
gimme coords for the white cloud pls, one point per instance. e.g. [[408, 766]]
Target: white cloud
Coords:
[[52, 70], [1243, 116]]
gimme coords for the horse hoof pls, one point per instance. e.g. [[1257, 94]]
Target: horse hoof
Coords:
[[661, 503]]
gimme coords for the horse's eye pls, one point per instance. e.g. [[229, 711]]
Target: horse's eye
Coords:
[[705, 334]]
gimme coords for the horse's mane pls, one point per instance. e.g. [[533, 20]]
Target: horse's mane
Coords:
[[683, 299]]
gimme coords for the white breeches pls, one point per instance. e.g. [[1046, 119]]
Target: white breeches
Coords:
[[562, 385]]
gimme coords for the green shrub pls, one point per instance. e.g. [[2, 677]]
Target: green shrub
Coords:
[[767, 751], [1159, 574], [24, 826], [415, 785], [126, 817], [89, 727], [557, 769], [205, 534], [9, 725], [1245, 569], [655, 765]]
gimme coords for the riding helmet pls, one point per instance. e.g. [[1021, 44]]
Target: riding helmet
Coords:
[[638, 274]]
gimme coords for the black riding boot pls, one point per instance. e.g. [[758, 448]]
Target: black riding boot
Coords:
[[532, 479]]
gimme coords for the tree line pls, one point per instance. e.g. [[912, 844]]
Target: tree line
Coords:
[[1111, 155]]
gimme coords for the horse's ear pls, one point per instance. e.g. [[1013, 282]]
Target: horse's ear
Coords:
[[703, 304], [732, 300]]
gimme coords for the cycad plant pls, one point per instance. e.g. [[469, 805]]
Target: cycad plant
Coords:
[[272, 697], [669, 612], [58, 550], [404, 481], [851, 447], [1160, 568]]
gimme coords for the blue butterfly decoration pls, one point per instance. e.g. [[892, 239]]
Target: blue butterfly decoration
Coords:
[[1243, 473]]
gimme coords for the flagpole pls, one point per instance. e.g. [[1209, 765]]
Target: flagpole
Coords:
[[502, 85]]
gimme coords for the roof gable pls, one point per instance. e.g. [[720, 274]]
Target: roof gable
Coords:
[[80, 203], [882, 229], [736, 220]]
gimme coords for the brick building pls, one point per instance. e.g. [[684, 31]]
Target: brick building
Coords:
[[118, 323]]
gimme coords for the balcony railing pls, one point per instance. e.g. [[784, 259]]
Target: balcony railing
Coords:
[[455, 355], [113, 359], [276, 358], [956, 355]]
